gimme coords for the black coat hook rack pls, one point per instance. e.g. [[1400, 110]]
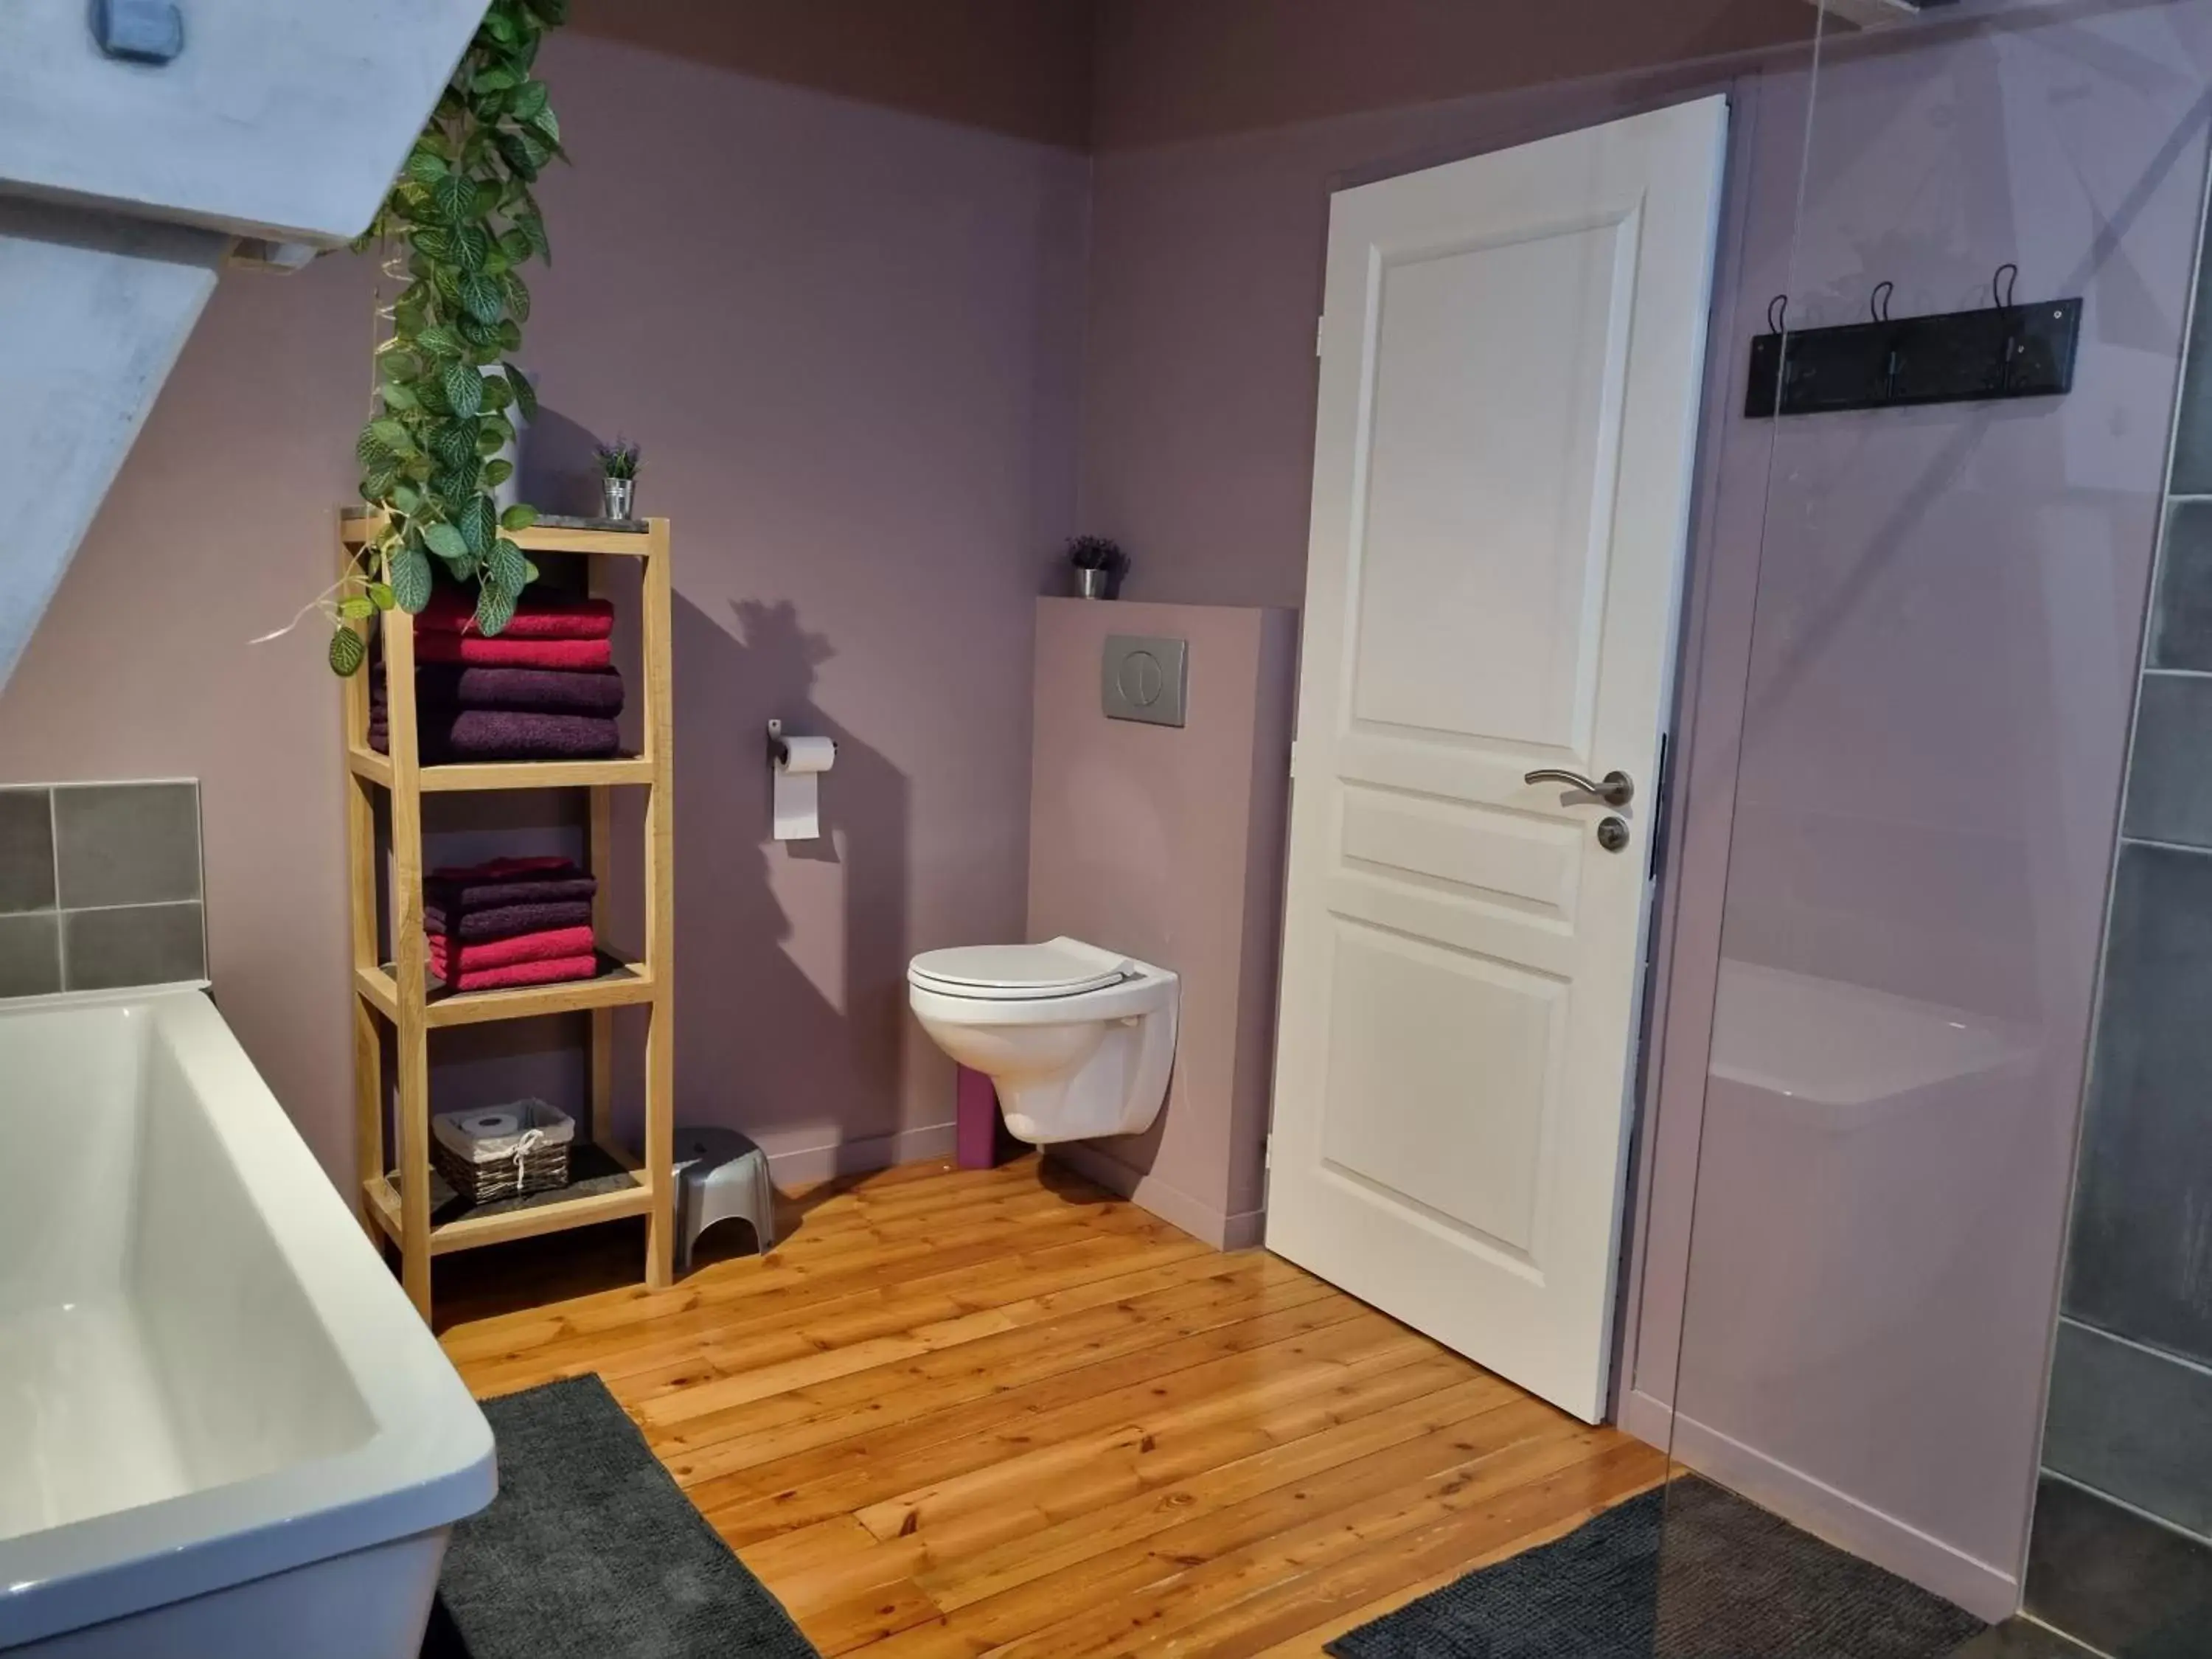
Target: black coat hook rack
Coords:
[[2000, 350]]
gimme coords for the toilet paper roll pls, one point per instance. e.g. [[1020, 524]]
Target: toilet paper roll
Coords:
[[490, 1125], [799, 765]]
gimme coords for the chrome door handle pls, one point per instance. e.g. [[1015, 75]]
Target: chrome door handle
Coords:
[[1617, 790]]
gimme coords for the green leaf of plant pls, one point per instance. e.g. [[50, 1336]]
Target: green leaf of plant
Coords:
[[479, 525], [498, 78], [400, 397], [497, 393], [406, 499], [494, 434], [518, 296], [454, 443], [472, 248], [394, 364], [444, 540], [497, 473], [549, 125], [348, 652], [525, 395], [393, 435], [555, 12], [453, 199], [379, 596], [522, 154], [424, 167], [356, 607], [410, 578], [521, 516], [372, 452], [436, 241], [498, 25], [480, 296], [529, 98], [495, 608], [439, 342], [464, 389], [506, 569]]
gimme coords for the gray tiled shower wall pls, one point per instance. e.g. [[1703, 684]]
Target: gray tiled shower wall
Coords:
[[2121, 1555], [99, 887]]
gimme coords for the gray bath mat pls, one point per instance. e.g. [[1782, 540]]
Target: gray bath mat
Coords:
[[591, 1551], [1693, 1572]]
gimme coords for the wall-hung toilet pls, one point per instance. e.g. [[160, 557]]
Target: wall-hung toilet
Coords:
[[1078, 1041]]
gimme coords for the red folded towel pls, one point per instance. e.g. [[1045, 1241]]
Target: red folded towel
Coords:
[[547, 946], [504, 651], [557, 971], [453, 610]]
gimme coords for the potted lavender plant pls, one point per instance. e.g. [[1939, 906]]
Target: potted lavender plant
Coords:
[[618, 468]]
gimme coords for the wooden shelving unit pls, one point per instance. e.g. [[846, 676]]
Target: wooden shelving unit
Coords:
[[398, 1193]]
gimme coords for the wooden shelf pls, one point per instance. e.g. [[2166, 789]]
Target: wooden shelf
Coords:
[[609, 1186], [618, 985], [645, 539], [623, 771], [391, 980]]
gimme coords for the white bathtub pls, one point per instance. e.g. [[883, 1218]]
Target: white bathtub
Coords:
[[224, 1433]]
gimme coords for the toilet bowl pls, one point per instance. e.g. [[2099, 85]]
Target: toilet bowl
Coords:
[[1078, 1041]]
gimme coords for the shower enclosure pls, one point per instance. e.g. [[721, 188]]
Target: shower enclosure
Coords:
[[1883, 978]]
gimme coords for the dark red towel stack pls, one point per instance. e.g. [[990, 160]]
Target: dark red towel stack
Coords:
[[513, 921], [544, 689]]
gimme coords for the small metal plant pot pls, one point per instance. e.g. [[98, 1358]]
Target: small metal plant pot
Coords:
[[619, 496], [1091, 584]]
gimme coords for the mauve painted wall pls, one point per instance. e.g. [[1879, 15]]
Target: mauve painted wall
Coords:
[[1167, 843], [1944, 644], [847, 336]]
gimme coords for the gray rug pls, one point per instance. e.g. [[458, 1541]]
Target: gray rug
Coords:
[[1711, 1577], [591, 1551]]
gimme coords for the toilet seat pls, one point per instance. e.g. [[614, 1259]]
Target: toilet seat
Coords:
[[1019, 973]]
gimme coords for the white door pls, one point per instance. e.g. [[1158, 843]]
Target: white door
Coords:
[[1511, 364]]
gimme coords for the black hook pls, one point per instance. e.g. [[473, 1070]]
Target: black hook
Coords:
[[1778, 315], [1878, 301], [2002, 284]]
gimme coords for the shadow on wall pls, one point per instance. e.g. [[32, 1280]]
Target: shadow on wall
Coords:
[[791, 957]]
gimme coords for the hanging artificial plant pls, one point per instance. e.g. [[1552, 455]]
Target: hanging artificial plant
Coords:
[[459, 221]]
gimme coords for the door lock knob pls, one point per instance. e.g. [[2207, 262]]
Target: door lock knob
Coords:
[[1612, 835]]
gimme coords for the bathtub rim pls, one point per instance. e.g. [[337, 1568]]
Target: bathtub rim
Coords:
[[428, 1462]]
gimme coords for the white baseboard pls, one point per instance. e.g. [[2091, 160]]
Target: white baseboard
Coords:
[[802, 1163], [1177, 1208], [1985, 1591]]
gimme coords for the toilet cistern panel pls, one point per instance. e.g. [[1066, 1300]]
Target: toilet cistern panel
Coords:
[[1144, 678]]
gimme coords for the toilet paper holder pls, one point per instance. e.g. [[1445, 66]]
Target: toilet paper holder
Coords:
[[779, 751]]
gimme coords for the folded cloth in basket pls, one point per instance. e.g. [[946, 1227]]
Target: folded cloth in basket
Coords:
[[472, 927]]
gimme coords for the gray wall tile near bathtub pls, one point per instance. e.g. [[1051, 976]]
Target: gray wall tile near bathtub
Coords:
[[2182, 636], [2191, 471], [140, 944], [127, 843], [26, 850], [2141, 1255], [2169, 785], [2132, 1422], [2114, 1579], [30, 955]]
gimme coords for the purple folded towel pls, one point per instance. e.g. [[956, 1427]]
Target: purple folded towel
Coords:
[[502, 734], [531, 690], [460, 900], [507, 922]]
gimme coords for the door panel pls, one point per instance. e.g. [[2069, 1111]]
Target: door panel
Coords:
[[1510, 380]]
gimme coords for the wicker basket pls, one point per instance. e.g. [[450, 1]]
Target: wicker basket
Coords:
[[503, 1152]]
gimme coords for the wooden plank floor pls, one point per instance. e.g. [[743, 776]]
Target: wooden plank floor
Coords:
[[963, 1412]]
